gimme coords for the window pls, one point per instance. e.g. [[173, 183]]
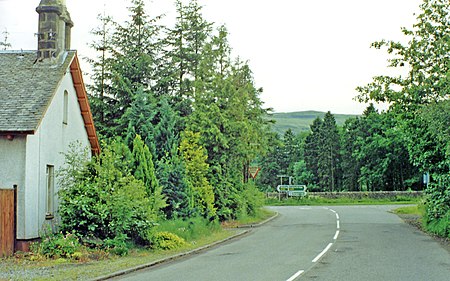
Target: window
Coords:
[[66, 107], [50, 191]]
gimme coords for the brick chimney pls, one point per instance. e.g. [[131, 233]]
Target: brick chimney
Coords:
[[54, 29]]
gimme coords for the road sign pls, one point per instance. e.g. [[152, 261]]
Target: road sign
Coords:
[[426, 179], [253, 171], [292, 190]]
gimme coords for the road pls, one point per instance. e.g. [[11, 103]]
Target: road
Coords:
[[317, 243]]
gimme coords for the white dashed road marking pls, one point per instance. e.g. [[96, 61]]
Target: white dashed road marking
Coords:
[[298, 273]]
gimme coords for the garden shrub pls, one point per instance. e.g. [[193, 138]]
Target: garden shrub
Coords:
[[100, 198], [190, 229], [57, 246], [118, 245], [167, 241], [253, 198], [437, 219]]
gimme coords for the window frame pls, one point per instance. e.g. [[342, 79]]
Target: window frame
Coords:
[[50, 192], [65, 107]]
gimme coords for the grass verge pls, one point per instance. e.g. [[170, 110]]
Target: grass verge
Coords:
[[260, 216], [414, 215], [197, 235], [20, 268], [320, 201], [410, 210]]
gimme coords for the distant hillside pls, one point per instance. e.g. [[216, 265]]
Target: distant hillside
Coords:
[[300, 121]]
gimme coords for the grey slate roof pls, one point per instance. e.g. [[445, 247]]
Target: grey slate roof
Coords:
[[26, 88]]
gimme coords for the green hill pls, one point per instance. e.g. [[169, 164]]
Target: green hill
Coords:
[[301, 120]]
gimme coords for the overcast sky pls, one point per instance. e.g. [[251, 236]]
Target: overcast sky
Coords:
[[305, 54]]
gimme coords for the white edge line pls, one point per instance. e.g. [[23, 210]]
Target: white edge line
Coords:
[[336, 235], [322, 253], [295, 275]]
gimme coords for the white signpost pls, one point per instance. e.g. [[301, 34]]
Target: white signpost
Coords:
[[292, 190]]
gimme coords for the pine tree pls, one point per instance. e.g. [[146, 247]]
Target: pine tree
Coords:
[[144, 170], [271, 164], [322, 153], [100, 92], [329, 154], [130, 55], [138, 119], [201, 195], [185, 42], [312, 148], [351, 166]]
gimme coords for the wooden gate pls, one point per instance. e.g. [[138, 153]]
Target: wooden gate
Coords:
[[7, 221]]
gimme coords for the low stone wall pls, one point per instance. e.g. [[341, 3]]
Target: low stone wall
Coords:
[[371, 195]]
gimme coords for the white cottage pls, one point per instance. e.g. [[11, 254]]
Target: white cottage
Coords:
[[43, 109]]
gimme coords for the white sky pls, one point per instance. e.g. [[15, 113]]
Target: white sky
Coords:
[[306, 54]]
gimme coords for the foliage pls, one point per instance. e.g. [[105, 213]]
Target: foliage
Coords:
[[254, 200], [411, 210], [322, 153], [144, 170], [302, 175], [186, 42], [57, 245], [313, 200], [425, 58], [158, 82], [271, 164], [100, 92], [166, 241], [261, 214], [169, 163], [171, 173], [367, 153], [290, 152], [200, 191], [439, 226], [375, 155], [420, 97], [227, 113], [103, 200], [437, 202], [190, 229], [127, 64], [118, 245], [329, 154]]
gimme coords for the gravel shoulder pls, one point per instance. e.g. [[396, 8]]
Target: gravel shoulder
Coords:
[[416, 221]]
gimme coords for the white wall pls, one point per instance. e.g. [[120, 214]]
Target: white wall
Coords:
[[12, 161], [46, 147], [12, 154]]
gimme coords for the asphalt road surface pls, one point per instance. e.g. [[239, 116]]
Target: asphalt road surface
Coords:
[[317, 243]]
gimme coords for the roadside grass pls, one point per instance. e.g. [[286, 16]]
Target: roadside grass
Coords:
[[60, 269], [261, 215], [320, 201], [440, 227], [190, 230], [197, 233], [418, 210]]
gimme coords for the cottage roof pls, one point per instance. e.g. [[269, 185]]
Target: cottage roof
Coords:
[[27, 87]]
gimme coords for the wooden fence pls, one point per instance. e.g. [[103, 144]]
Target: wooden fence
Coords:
[[7, 222]]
